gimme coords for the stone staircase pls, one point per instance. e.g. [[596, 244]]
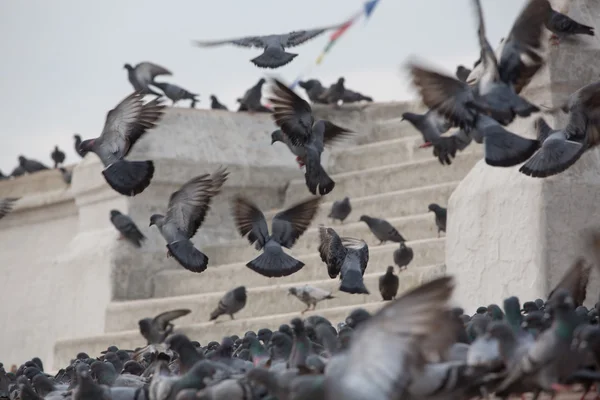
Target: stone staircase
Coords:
[[385, 175]]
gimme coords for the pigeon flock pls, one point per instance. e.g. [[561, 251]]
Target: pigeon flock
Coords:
[[418, 346]]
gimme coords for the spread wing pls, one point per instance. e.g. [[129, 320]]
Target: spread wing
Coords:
[[248, 41], [162, 320], [291, 113], [490, 63], [575, 281], [149, 70], [331, 250], [333, 133], [6, 205], [298, 37], [250, 221], [188, 206], [290, 224]]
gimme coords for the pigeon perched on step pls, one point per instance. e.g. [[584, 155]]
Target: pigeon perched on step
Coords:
[[335, 93], [215, 105], [287, 226], [66, 175], [403, 256], [344, 256], [176, 93], [6, 205], [350, 96], [124, 126], [388, 284], [274, 54], [314, 89], [232, 302], [462, 73], [155, 330], [77, 145], [310, 295], [143, 74], [383, 230], [563, 26], [440, 216], [128, 230], [57, 156], [187, 209], [31, 166], [251, 99], [340, 209], [304, 137]]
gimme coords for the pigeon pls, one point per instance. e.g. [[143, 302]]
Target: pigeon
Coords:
[[383, 230], [155, 330], [287, 226], [86, 388], [186, 212], [575, 280], [350, 96], [232, 302], [242, 106], [78, 145], [214, 103], [176, 93], [309, 295], [127, 228], [462, 73], [563, 26], [124, 126], [143, 75], [6, 205], [188, 355], [403, 256], [66, 175], [274, 54], [31, 166], [57, 156], [314, 89], [18, 171], [347, 257], [251, 100], [440, 217], [340, 209], [388, 284], [304, 137], [335, 93]]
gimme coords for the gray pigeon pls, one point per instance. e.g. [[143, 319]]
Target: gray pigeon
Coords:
[[346, 257], [232, 302], [251, 99], [124, 126], [287, 226], [335, 93], [350, 96], [274, 55], [77, 145], [314, 89], [155, 330], [31, 166], [214, 103], [18, 171], [340, 209], [127, 228], [6, 205], [388, 284], [186, 212], [86, 388], [383, 230], [304, 137], [143, 75], [563, 26], [57, 156], [462, 73], [66, 175], [176, 93], [440, 217], [403, 256], [309, 295]]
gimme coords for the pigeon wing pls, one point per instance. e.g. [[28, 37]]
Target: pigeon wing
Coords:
[[6, 205], [163, 319], [291, 113], [331, 250], [488, 57], [290, 224], [298, 37], [333, 133], [575, 280], [248, 41], [359, 248], [148, 71], [250, 221]]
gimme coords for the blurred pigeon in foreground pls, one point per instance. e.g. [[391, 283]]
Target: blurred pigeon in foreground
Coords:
[[155, 330], [314, 89], [287, 226], [462, 73], [440, 217], [335, 93], [77, 146], [124, 126], [176, 93], [563, 26], [310, 295], [347, 257], [274, 55], [127, 228], [340, 209], [66, 175], [251, 100], [388, 284], [143, 75], [232, 302], [186, 212], [214, 103], [31, 166], [57, 156], [403, 256], [383, 230], [6, 205]]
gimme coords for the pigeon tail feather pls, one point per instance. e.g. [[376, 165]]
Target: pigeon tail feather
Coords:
[[129, 177], [353, 283], [273, 59], [275, 263], [188, 256], [553, 159], [316, 176]]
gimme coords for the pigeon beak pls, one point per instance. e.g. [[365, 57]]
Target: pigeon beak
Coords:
[[425, 145]]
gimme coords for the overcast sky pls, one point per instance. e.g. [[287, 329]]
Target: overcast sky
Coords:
[[62, 60]]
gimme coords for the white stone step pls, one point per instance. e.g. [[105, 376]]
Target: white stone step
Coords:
[[262, 301], [224, 277]]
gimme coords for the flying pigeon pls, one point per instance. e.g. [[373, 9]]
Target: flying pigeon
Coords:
[[563, 26], [127, 228], [314, 89], [57, 156], [155, 330], [340, 209], [403, 256], [287, 226], [124, 126], [143, 75], [335, 93], [304, 137], [214, 103], [310, 295], [6, 205], [78, 146], [251, 99], [388, 284], [347, 257], [440, 217], [176, 93], [232, 302], [383, 230], [31, 166], [186, 212], [274, 54]]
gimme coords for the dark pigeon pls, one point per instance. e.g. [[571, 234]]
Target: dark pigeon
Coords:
[[143, 75], [563, 26], [87, 389], [78, 146], [251, 99], [403, 256], [127, 228], [314, 89], [6, 205], [340, 209], [274, 55], [335, 93], [388, 284], [124, 126], [232, 302], [57, 156], [242, 106], [301, 346], [462, 73], [176, 93], [214, 103], [350, 96], [18, 171], [440, 217], [186, 212], [155, 330], [287, 226], [66, 175], [383, 230], [31, 166], [188, 356], [346, 257]]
